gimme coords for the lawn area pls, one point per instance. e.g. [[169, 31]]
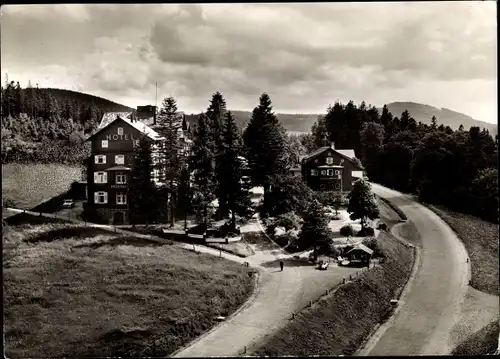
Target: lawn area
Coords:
[[481, 241], [482, 342], [340, 323], [27, 186], [74, 291]]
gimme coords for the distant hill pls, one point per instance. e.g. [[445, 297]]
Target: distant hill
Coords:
[[424, 113], [81, 98], [420, 112]]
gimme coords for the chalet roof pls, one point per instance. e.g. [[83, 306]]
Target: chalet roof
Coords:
[[109, 117], [361, 247], [347, 153], [295, 169]]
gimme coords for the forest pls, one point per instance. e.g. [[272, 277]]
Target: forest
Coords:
[[454, 168], [48, 125]]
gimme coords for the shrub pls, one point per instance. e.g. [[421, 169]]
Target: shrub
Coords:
[[288, 221], [283, 240], [382, 226], [372, 243], [347, 230], [367, 231]]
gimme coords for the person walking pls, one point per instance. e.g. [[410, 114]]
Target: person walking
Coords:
[[281, 265]]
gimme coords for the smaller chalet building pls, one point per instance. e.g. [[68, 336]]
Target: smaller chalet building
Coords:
[[329, 169]]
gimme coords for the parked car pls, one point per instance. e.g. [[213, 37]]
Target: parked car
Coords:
[[68, 203], [322, 265]]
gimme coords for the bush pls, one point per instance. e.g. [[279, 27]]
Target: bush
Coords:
[[382, 226], [347, 230], [283, 240], [288, 221], [372, 243], [367, 231]]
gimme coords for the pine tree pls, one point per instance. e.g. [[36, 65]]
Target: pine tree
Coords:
[[202, 165], [315, 231], [216, 113], [264, 139], [362, 204], [141, 190], [433, 123], [229, 174], [171, 161]]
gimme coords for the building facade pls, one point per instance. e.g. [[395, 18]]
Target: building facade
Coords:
[[329, 169], [110, 163]]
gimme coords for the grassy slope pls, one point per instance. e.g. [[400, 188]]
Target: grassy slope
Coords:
[[482, 342], [81, 292], [26, 186], [340, 323]]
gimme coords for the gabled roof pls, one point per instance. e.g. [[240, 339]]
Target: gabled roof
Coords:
[[347, 154], [109, 117], [362, 247]]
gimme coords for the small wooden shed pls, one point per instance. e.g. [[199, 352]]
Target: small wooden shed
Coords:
[[360, 255]]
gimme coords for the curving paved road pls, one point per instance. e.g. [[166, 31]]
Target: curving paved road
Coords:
[[434, 301]]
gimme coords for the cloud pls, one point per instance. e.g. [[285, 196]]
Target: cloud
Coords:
[[304, 55]]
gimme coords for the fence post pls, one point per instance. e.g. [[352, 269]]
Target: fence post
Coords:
[[245, 350], [327, 292], [293, 315], [310, 303], [350, 276], [343, 281]]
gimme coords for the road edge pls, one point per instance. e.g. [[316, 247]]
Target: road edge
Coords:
[[380, 329]]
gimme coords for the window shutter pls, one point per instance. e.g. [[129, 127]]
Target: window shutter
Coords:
[[105, 197], [103, 159], [105, 177], [96, 159], [96, 178], [96, 197]]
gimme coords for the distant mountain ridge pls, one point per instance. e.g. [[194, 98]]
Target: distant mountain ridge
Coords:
[[420, 112], [424, 113]]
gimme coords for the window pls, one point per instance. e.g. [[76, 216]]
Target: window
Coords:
[[120, 130], [329, 160], [100, 177], [101, 197], [104, 143], [100, 159], [121, 198], [119, 159], [314, 172], [337, 172], [121, 178], [330, 172], [323, 172]]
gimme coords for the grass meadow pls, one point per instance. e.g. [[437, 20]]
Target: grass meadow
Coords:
[[26, 186], [73, 291]]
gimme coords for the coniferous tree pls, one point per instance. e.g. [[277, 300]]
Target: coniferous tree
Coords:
[[202, 165], [229, 175], [433, 123], [216, 114], [141, 189], [170, 160], [264, 139]]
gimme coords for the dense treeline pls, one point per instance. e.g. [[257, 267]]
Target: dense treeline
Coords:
[[48, 125], [453, 168]]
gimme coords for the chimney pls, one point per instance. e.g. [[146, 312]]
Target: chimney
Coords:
[[332, 145]]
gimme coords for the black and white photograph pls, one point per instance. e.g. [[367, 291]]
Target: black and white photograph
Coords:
[[250, 179]]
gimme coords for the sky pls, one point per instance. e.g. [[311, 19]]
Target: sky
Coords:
[[305, 56]]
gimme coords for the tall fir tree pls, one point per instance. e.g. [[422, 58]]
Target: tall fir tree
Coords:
[[170, 160], [230, 170], [265, 141], [434, 123], [216, 114], [362, 203], [202, 165], [141, 189]]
